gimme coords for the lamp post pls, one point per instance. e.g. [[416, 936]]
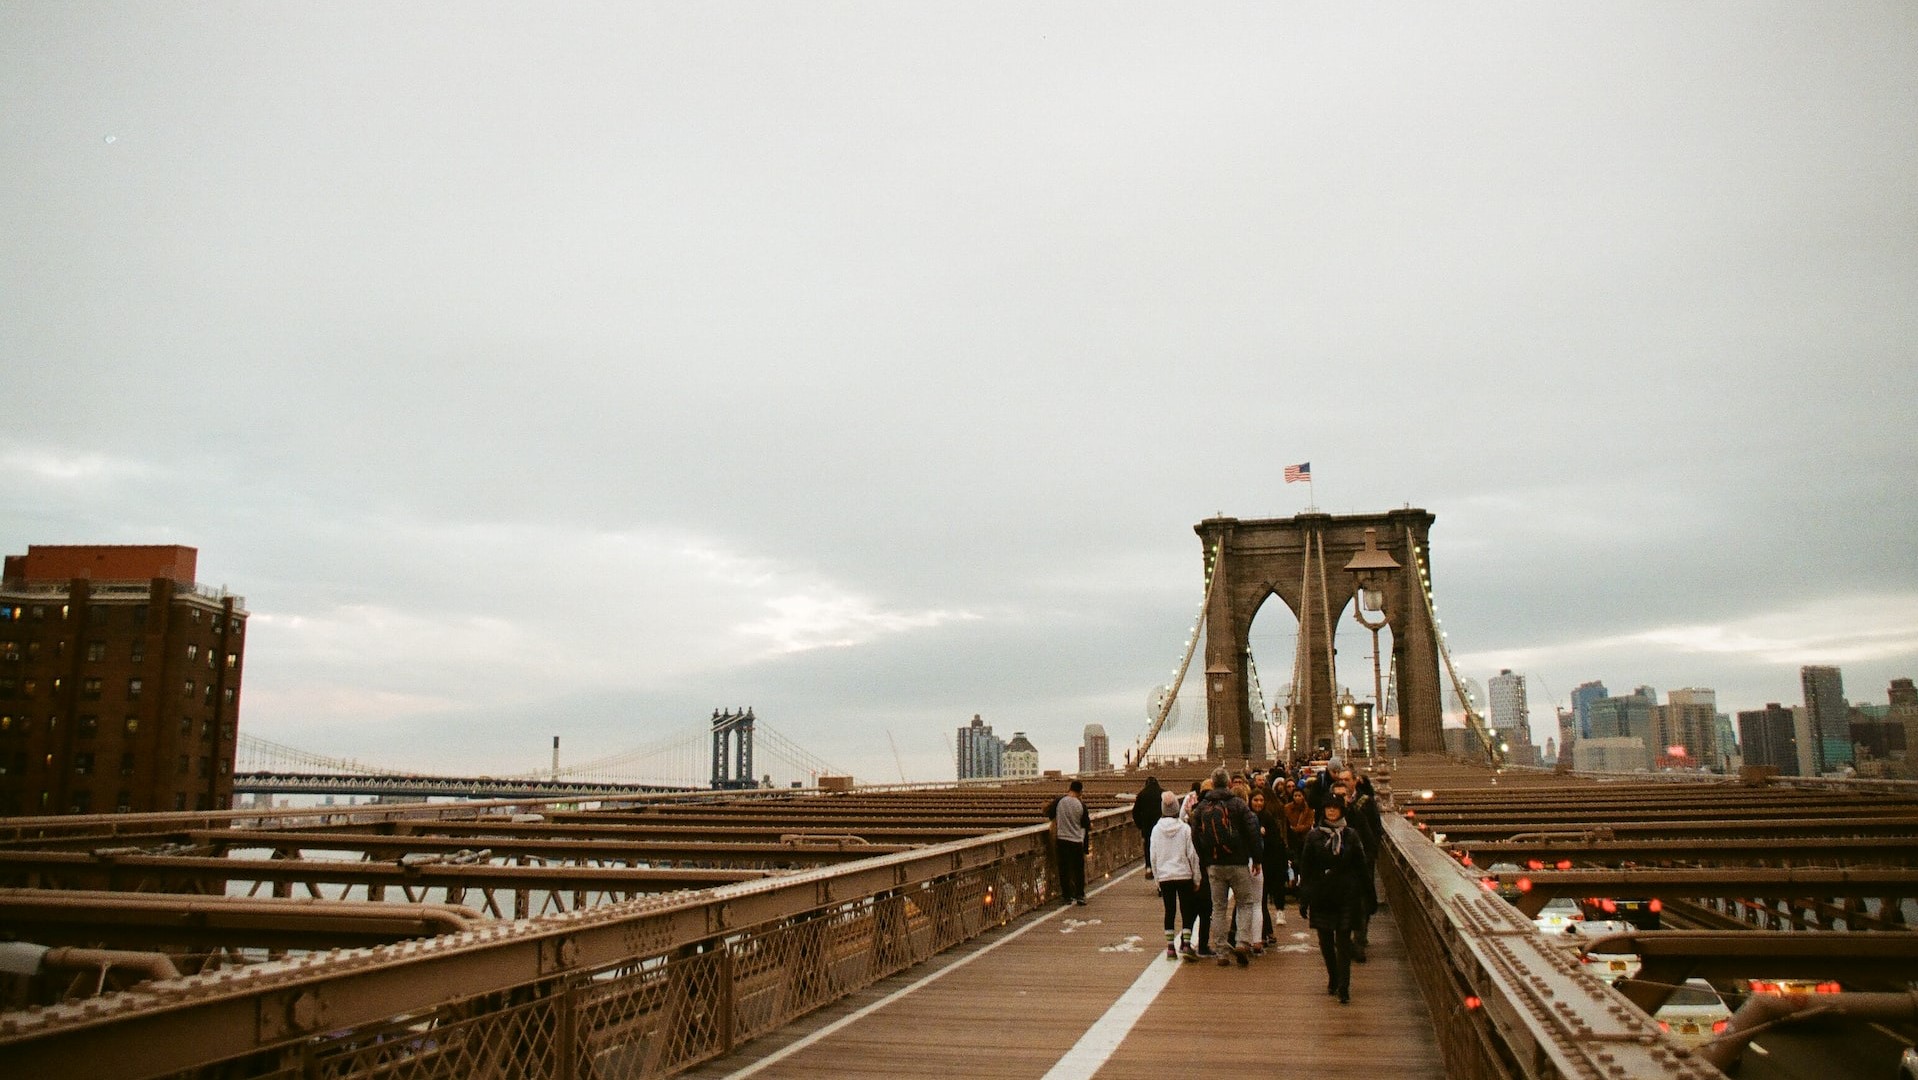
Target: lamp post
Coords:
[[1348, 715], [1217, 678], [1372, 567]]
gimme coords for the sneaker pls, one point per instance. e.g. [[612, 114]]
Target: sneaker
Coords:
[[1242, 954], [1225, 960], [1189, 955], [1205, 954], [1081, 902], [1171, 951], [1278, 919]]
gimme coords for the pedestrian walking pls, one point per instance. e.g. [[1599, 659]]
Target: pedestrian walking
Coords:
[[1175, 866]]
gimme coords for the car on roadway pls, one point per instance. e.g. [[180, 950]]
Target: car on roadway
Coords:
[[1606, 966], [1641, 912], [1557, 916], [1694, 1015]]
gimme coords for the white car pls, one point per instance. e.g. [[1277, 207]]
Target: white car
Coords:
[[1557, 916], [1694, 1014], [1610, 967]]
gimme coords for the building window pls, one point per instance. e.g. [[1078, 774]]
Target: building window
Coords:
[[96, 614], [87, 727], [179, 799], [6, 725], [207, 697], [83, 802], [209, 659], [133, 689], [7, 688], [83, 763], [39, 611], [9, 650], [238, 626], [183, 767], [232, 660], [229, 695], [126, 765], [188, 691], [139, 614], [90, 689], [96, 650], [125, 802], [186, 727], [192, 652], [196, 614], [30, 688], [133, 724], [139, 651], [206, 765], [33, 650], [206, 731]]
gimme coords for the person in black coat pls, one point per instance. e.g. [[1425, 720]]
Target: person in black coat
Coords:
[[1362, 812], [1145, 816], [1332, 872]]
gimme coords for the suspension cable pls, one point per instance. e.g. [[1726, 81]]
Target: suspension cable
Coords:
[[1473, 718], [1178, 678]]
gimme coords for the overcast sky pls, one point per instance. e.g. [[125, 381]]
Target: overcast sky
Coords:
[[578, 370]]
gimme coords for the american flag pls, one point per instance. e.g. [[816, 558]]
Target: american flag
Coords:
[[1296, 473]]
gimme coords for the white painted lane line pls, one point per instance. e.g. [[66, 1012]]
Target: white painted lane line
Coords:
[[1089, 1054], [787, 1051]]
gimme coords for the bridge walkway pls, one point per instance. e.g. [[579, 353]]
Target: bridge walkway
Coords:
[[1087, 991]]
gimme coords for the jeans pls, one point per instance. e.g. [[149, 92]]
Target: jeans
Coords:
[[1236, 880], [1072, 870]]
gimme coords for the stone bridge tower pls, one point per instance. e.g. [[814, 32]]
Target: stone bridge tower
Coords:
[[1302, 560]]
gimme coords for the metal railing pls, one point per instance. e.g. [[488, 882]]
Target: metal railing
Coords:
[[643, 988], [1505, 1003]]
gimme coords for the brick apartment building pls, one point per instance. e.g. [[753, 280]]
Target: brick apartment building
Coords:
[[119, 682]]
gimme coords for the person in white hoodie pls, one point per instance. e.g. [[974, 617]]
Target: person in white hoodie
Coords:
[[1175, 866]]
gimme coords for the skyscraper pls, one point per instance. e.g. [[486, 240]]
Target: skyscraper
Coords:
[[1690, 720], [1096, 754], [980, 751], [119, 681], [1769, 738], [1828, 717], [1511, 716], [1582, 698], [1628, 717]]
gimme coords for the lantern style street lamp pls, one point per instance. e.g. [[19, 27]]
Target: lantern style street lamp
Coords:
[[1373, 568]]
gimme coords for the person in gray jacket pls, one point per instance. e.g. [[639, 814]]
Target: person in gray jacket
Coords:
[[1071, 835], [1226, 833]]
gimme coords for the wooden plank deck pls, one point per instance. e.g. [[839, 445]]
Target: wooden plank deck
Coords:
[[1014, 1002]]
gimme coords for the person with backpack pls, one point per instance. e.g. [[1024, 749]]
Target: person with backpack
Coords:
[[1226, 834]]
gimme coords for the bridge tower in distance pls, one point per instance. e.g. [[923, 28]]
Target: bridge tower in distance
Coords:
[[733, 750], [1304, 561]]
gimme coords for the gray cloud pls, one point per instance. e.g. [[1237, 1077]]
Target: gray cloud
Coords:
[[871, 366]]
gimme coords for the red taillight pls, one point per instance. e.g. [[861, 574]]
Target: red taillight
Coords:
[[1760, 986], [1719, 1026], [1828, 988], [1524, 884], [1534, 864], [1411, 813], [1564, 864], [1466, 861], [1655, 906], [1472, 1001], [1663, 1026], [1488, 884], [1610, 907]]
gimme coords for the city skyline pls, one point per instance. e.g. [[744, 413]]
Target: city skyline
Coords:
[[572, 374]]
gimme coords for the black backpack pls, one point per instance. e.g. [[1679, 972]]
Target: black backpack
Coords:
[[1212, 829]]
